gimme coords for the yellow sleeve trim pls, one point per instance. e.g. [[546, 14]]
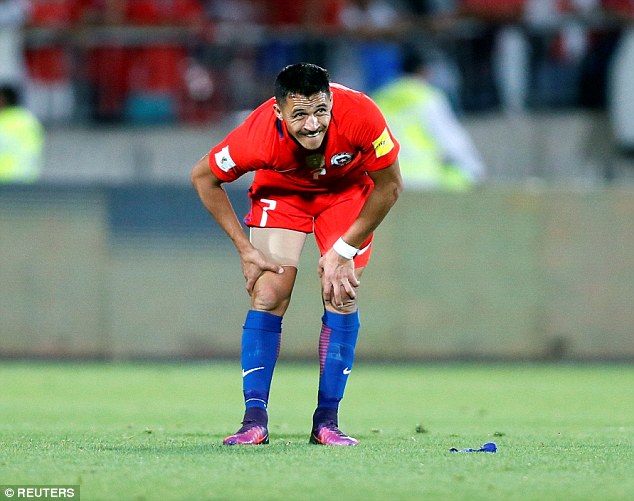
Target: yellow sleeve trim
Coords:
[[383, 144]]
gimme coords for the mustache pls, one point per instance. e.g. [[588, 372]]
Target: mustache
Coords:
[[318, 131]]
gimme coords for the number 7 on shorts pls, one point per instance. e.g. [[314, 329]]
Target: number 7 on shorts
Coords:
[[270, 205]]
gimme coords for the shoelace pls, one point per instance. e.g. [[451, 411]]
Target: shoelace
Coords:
[[247, 425], [333, 428]]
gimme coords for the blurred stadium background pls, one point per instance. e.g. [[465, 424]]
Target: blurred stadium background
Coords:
[[110, 255]]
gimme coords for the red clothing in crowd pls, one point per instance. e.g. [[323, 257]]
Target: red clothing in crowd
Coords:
[[52, 62], [624, 7], [151, 70], [296, 13], [176, 12], [493, 9]]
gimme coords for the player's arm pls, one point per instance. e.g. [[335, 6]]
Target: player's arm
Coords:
[[215, 199], [388, 185], [337, 271]]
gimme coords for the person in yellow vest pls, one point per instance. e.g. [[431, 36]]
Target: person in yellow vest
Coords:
[[21, 140], [436, 150]]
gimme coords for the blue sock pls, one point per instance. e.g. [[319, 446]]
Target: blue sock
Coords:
[[337, 342], [261, 335]]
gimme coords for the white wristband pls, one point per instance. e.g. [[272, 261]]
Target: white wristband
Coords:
[[345, 250]]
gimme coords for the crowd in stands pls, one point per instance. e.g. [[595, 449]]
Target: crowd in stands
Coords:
[[160, 61]]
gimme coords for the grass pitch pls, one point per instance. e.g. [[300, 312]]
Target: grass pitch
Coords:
[[154, 432]]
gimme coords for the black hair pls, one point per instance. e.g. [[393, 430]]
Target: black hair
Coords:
[[413, 59], [9, 95], [304, 79]]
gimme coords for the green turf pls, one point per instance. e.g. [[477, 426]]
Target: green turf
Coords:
[[154, 432]]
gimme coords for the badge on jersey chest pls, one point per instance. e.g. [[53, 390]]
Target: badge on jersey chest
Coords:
[[317, 162], [341, 159]]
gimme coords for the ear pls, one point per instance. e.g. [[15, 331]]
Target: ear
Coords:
[[277, 111]]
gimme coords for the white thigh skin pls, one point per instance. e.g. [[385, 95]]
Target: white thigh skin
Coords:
[[272, 291], [280, 246]]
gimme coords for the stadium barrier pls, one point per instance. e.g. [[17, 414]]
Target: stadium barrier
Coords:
[[143, 272]]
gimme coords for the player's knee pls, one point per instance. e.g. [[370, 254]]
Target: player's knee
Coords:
[[270, 298], [348, 306]]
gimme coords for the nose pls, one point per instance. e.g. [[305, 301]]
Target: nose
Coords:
[[312, 124]]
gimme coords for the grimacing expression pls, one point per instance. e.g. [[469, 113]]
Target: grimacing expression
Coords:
[[307, 118]]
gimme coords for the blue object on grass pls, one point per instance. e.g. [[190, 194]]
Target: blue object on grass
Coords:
[[488, 447]]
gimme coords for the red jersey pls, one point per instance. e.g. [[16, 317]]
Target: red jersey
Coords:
[[357, 141]]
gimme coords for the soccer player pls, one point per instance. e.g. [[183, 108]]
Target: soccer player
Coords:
[[326, 162]]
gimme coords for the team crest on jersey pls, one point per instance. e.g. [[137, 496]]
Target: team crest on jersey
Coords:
[[224, 160], [341, 159]]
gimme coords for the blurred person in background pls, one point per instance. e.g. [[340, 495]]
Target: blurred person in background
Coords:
[[440, 23], [530, 52], [368, 54], [106, 64], [620, 91], [232, 22], [436, 150], [326, 162], [499, 75], [21, 140], [141, 76], [50, 62], [13, 15], [296, 31], [157, 71], [559, 37]]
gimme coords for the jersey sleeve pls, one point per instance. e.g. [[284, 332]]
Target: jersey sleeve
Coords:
[[377, 143], [243, 150]]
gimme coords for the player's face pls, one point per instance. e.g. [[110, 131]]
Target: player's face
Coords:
[[307, 118]]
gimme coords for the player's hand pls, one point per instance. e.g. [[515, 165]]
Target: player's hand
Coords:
[[338, 280], [254, 263]]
